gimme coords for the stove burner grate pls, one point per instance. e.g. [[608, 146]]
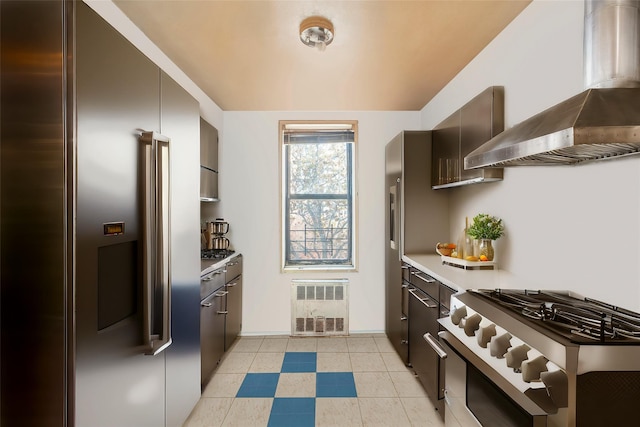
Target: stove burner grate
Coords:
[[215, 253], [578, 319]]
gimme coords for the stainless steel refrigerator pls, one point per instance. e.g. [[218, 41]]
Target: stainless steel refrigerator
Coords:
[[99, 233]]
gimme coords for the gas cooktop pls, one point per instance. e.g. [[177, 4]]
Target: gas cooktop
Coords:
[[579, 319], [215, 253]]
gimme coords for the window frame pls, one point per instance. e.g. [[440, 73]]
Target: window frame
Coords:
[[285, 197]]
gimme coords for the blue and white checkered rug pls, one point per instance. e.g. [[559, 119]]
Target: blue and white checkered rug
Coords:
[[297, 411]]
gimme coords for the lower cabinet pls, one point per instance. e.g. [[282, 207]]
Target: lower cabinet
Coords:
[[425, 359], [233, 323], [428, 301], [220, 315], [212, 327]]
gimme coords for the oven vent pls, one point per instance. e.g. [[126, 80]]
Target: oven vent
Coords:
[[319, 307]]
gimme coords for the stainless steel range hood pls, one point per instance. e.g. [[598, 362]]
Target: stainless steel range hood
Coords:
[[600, 123]]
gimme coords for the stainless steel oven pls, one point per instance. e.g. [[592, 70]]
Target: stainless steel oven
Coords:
[[539, 358], [472, 399]]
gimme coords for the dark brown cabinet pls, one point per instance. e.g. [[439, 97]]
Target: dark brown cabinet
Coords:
[[233, 321], [468, 128], [208, 162], [428, 301]]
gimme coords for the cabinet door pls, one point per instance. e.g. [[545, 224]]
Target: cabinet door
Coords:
[[234, 311], [208, 146], [445, 160], [212, 322], [426, 361]]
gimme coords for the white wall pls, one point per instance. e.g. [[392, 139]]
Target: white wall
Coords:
[[568, 227], [250, 188]]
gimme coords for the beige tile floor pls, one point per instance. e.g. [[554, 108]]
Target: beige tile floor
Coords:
[[388, 392]]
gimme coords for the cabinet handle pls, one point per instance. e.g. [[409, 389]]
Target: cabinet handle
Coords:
[[435, 345], [205, 304], [426, 279], [422, 300], [222, 312], [232, 263], [230, 285], [221, 294], [209, 277], [403, 318], [405, 267]]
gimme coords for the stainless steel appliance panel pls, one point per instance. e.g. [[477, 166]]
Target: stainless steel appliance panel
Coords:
[[75, 98], [117, 96], [179, 119], [33, 224]]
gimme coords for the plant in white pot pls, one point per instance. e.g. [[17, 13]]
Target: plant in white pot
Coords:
[[485, 229]]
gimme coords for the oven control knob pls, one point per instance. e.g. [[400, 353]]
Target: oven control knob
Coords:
[[471, 324], [458, 314], [516, 355], [484, 335], [531, 369], [499, 345], [556, 383]]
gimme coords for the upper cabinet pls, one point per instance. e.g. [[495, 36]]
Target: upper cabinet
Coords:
[[208, 162], [475, 123]]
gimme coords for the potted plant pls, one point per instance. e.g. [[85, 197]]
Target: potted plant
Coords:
[[486, 228]]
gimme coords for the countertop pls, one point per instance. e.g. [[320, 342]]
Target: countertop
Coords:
[[461, 279], [208, 265]]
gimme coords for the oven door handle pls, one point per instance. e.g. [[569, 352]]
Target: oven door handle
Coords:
[[435, 345], [422, 300]]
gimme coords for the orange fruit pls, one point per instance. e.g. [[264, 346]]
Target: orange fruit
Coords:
[[483, 258]]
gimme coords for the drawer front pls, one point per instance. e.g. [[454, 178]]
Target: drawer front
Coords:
[[211, 282], [425, 283], [234, 268]]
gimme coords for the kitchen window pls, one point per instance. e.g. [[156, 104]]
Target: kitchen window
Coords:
[[318, 188]]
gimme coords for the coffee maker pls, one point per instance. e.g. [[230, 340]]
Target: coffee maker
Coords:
[[215, 243]]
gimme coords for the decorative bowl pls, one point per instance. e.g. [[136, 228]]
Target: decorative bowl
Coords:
[[445, 249]]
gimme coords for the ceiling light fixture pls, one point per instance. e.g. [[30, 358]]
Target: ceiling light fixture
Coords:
[[316, 31]]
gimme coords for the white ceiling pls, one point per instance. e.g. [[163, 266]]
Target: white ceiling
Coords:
[[386, 55]]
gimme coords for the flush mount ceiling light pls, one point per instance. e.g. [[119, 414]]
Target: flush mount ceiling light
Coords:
[[316, 31]]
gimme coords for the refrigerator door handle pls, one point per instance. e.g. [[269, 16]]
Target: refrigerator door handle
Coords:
[[157, 278]]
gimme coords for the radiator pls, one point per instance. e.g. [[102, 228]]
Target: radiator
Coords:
[[319, 307]]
